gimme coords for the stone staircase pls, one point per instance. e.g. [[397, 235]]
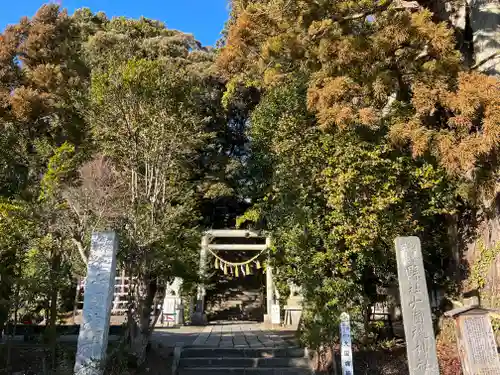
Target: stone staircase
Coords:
[[243, 361], [236, 299]]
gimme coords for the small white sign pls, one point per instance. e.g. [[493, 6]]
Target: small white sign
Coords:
[[345, 345], [169, 305], [169, 312], [170, 319], [275, 314]]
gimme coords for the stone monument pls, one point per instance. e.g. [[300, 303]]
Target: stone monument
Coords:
[[475, 339], [417, 320], [98, 300]]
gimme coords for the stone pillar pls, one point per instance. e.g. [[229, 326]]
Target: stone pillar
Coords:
[[199, 316], [99, 290], [269, 286], [417, 319]]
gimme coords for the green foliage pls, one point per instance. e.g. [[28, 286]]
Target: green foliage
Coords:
[[148, 119], [125, 124], [39, 276], [144, 120], [60, 165], [334, 203], [330, 180], [110, 126], [15, 234]]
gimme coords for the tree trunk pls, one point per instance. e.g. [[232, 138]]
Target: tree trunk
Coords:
[[9, 338], [324, 359], [476, 25], [75, 301], [456, 258], [484, 21], [51, 326], [366, 323], [4, 308], [8, 277], [139, 319]]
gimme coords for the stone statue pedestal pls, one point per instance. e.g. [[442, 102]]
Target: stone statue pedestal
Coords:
[[293, 307], [293, 311]]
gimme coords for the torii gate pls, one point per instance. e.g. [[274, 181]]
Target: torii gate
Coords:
[[199, 316]]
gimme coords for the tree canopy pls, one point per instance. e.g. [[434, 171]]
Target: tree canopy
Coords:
[[370, 126], [333, 125]]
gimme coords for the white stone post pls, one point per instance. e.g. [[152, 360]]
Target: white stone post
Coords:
[[269, 285], [199, 315], [99, 290]]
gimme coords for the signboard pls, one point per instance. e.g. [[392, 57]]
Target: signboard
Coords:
[[478, 346], [275, 314], [169, 307], [345, 345]]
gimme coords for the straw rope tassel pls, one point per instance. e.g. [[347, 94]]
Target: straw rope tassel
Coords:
[[251, 260]]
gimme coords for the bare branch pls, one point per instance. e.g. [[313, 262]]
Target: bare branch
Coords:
[[424, 53], [400, 5], [388, 106], [81, 250], [485, 60]]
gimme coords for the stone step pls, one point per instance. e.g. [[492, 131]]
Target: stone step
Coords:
[[244, 362], [243, 371], [208, 352]]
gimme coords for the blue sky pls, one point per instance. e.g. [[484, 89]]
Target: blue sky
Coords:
[[203, 18]]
